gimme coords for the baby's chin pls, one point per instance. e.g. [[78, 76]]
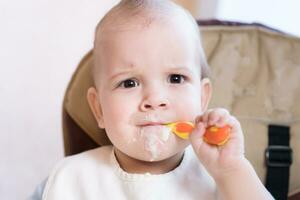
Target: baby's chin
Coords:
[[152, 144], [158, 152], [157, 143], [162, 157]]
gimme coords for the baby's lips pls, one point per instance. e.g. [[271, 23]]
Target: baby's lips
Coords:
[[213, 135]]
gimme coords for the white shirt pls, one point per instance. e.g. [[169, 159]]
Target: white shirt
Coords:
[[96, 174]]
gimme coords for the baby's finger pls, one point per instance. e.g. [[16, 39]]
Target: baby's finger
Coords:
[[236, 129], [199, 118], [235, 144], [196, 136], [204, 117], [217, 115], [222, 122]]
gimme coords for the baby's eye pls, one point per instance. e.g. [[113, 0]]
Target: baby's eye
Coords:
[[176, 78], [129, 83]]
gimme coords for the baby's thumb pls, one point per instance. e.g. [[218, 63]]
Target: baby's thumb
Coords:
[[196, 137]]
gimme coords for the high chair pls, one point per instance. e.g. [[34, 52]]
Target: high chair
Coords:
[[255, 75]]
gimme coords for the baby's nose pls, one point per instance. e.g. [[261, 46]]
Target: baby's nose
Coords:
[[154, 103]]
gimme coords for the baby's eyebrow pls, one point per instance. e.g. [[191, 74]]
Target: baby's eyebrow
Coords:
[[120, 74], [181, 69], [127, 68]]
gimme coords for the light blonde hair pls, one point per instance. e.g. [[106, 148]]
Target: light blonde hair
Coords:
[[148, 11]]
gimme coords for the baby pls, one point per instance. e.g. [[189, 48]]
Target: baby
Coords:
[[150, 70]]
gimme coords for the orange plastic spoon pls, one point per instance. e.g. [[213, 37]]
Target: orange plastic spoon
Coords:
[[217, 136], [182, 129], [213, 135]]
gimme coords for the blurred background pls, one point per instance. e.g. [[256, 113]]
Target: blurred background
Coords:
[[41, 45]]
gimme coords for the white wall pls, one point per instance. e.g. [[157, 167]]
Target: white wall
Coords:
[[283, 15], [200, 9], [41, 43]]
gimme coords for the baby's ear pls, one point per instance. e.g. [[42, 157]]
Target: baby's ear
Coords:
[[206, 91], [95, 106]]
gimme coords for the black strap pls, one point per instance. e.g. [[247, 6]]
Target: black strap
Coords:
[[278, 161]]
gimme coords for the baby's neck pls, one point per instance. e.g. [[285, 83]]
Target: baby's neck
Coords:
[[135, 166]]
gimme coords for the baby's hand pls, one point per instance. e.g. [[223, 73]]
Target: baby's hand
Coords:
[[218, 160]]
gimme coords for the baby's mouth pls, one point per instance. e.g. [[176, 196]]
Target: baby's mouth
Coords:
[[154, 136], [152, 124]]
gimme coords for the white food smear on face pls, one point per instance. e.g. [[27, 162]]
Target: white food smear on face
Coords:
[[165, 134], [154, 138]]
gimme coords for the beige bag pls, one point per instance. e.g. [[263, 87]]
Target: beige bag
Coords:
[[255, 75]]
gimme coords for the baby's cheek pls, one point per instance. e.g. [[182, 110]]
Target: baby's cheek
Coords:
[[189, 110], [189, 96]]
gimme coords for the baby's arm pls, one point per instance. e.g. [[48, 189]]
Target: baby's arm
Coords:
[[243, 183], [233, 173]]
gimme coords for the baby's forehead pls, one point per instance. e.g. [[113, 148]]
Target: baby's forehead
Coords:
[[165, 13], [109, 35], [170, 34], [117, 24]]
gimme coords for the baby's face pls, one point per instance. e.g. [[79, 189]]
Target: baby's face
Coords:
[[149, 77]]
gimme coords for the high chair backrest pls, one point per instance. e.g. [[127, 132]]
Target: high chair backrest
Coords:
[[255, 75]]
